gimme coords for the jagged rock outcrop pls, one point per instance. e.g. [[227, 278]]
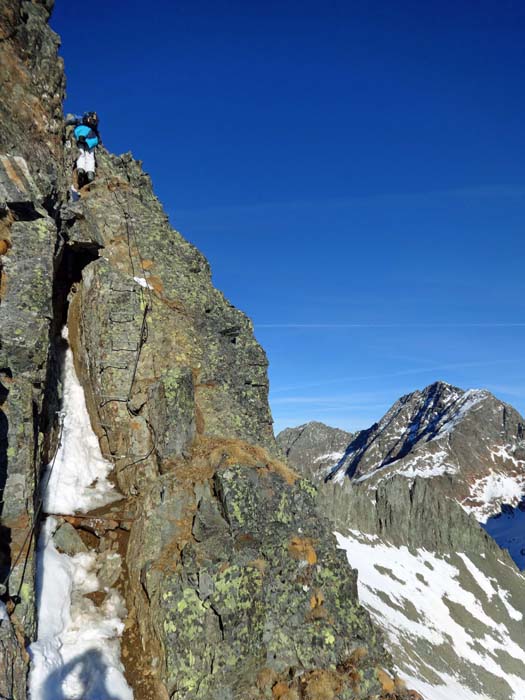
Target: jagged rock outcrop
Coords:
[[220, 578], [314, 447], [234, 584], [32, 89], [31, 84]]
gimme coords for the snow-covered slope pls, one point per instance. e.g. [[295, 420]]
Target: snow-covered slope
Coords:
[[455, 632]]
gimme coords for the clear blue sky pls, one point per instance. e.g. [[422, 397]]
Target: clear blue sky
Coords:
[[353, 170]]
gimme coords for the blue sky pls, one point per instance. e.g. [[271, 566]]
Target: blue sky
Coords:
[[354, 171]]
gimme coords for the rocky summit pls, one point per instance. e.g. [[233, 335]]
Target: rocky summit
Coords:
[[233, 587], [314, 447], [472, 441], [428, 504]]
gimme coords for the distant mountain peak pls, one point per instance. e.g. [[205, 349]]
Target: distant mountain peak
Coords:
[[468, 436]]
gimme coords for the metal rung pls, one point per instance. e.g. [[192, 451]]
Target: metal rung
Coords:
[[104, 367], [122, 319], [128, 290]]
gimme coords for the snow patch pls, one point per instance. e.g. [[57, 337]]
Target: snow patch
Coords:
[[333, 456], [77, 655], [78, 480], [451, 688], [469, 400], [425, 465], [488, 588], [491, 491], [143, 283]]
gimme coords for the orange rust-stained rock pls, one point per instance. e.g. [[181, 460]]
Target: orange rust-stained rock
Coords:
[[156, 283], [387, 682], [279, 689], [3, 284], [322, 685], [259, 564], [302, 549], [316, 600]]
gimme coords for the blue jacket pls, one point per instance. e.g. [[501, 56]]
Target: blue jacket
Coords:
[[84, 135]]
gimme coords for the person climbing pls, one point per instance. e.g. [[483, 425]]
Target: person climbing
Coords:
[[87, 139]]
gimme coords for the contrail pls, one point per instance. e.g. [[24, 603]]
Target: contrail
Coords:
[[388, 325], [400, 373]]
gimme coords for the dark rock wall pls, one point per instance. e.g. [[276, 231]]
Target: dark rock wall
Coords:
[[31, 88], [422, 513]]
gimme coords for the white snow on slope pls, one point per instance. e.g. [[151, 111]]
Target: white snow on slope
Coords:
[[335, 457], [466, 403], [450, 690], [78, 481], [488, 587], [491, 491], [77, 653], [415, 597], [424, 465]]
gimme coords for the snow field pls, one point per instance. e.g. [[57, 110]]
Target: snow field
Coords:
[[412, 596]]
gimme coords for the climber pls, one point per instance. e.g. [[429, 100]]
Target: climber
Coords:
[[87, 139]]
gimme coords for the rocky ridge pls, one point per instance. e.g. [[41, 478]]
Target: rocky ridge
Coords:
[[315, 447], [233, 583]]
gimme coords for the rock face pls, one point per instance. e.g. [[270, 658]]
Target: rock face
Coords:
[[32, 88], [261, 596], [225, 554], [314, 447], [12, 661], [31, 84], [234, 584]]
